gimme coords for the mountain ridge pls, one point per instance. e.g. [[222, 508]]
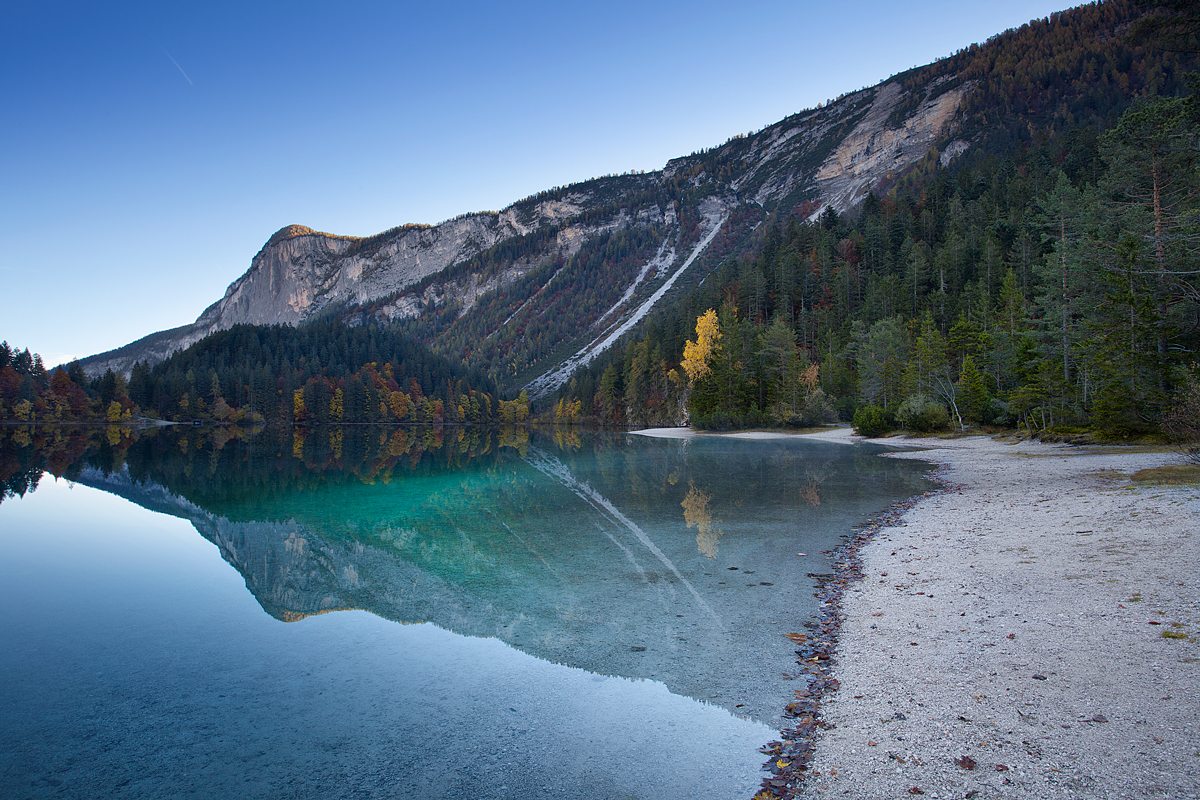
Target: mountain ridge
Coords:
[[300, 272], [487, 287]]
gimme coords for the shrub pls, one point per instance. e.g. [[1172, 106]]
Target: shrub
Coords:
[[817, 409], [871, 421], [922, 414]]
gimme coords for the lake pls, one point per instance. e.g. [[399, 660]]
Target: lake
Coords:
[[409, 612]]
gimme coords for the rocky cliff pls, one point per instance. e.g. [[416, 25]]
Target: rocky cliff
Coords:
[[543, 285], [828, 157]]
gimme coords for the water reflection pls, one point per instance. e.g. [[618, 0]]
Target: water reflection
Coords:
[[665, 559], [135, 664], [696, 514]]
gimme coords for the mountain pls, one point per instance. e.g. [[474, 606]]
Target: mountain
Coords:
[[542, 287]]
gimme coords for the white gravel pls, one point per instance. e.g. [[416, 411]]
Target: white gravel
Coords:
[[1010, 621]]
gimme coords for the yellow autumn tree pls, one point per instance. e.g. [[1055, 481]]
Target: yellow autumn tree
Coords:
[[809, 379], [698, 354], [336, 405], [398, 401]]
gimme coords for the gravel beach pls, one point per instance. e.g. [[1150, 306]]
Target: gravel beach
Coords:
[[1033, 632]]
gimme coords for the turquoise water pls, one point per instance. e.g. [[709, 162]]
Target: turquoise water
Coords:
[[597, 616]]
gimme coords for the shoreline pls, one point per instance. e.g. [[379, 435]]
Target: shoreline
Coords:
[[1031, 630], [1006, 636]]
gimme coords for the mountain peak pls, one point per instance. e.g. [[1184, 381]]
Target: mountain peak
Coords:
[[289, 232]]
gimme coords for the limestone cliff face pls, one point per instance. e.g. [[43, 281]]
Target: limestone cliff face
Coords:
[[875, 149], [808, 153], [301, 272], [829, 156]]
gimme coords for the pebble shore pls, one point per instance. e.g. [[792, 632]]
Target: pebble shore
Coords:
[[1030, 631]]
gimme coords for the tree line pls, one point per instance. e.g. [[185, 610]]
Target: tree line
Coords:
[[323, 372]]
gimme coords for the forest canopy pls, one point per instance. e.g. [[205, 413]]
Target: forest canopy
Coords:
[[317, 373]]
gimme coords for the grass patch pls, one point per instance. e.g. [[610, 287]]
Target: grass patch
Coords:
[[1174, 635], [1161, 476]]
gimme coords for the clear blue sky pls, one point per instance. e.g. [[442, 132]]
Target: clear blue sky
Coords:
[[148, 149]]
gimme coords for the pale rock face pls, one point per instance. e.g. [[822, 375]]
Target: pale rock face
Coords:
[[953, 151], [873, 150], [289, 281], [299, 272]]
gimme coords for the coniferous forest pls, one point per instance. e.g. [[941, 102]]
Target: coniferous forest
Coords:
[[318, 373]]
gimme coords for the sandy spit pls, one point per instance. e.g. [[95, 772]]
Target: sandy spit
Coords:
[[839, 435], [1006, 640]]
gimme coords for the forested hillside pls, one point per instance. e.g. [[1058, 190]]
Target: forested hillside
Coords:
[[317, 373], [1047, 277]]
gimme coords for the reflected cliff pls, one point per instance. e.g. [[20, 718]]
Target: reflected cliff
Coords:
[[675, 560]]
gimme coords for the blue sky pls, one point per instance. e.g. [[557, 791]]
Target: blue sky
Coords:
[[148, 150]]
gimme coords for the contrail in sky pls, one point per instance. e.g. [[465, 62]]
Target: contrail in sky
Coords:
[[176, 63]]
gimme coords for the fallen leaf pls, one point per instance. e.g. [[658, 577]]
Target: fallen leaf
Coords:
[[915, 790], [1038, 677], [966, 762], [795, 637], [872, 744], [1001, 768], [1011, 636]]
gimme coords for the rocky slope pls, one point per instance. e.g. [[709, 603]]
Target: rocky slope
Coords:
[[830, 156], [545, 284]]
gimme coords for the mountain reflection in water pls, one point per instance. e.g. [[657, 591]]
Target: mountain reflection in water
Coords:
[[675, 560]]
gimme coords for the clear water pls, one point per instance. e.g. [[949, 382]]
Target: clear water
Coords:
[[595, 616]]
